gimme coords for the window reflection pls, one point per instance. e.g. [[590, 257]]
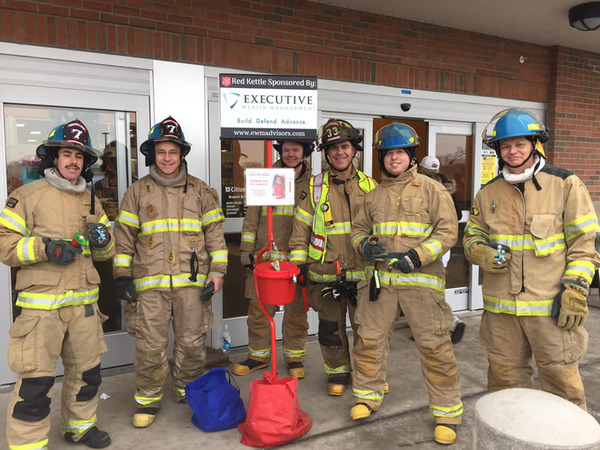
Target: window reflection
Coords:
[[455, 153], [106, 188]]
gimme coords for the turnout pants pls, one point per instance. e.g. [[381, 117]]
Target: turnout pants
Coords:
[[511, 341], [38, 338], [332, 329], [429, 318], [148, 321], [294, 327]]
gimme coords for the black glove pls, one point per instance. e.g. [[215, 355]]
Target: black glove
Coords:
[[98, 235], [61, 253], [208, 291], [303, 276], [371, 252], [406, 262], [125, 289]]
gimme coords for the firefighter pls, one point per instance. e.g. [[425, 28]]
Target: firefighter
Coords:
[[254, 238], [170, 251], [320, 245], [52, 229], [533, 230], [404, 227]]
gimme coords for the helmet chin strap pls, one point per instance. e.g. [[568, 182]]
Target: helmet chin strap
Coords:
[[295, 167], [523, 163]]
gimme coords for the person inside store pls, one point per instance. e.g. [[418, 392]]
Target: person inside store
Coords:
[[53, 229], [320, 245], [107, 188], [170, 258], [534, 232], [403, 228], [430, 167], [294, 155]]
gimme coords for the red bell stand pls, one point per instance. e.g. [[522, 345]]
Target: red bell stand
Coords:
[[274, 287]]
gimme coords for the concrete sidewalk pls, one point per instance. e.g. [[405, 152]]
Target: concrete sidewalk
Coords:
[[402, 421]]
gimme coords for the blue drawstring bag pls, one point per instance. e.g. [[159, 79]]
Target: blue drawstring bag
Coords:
[[215, 400]]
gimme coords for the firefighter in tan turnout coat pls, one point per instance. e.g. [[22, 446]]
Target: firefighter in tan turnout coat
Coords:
[[534, 232], [405, 226], [320, 245], [53, 229], [170, 247]]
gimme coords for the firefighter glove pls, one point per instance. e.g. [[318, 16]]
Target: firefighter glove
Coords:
[[491, 258], [406, 262], [125, 289], [570, 306], [61, 253], [98, 235], [371, 251], [247, 259], [208, 291], [303, 276]]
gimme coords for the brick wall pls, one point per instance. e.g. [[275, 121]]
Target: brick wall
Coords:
[[574, 114], [306, 38], [287, 36]]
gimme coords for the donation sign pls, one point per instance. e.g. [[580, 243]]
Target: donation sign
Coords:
[[269, 187], [268, 107]]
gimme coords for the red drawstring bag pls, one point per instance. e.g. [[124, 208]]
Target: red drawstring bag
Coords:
[[274, 416]]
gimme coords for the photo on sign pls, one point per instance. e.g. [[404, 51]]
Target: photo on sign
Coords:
[[269, 187]]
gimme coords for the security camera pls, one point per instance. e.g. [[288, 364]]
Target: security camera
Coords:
[[405, 107]]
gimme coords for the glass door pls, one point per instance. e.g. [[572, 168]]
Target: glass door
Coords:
[[114, 124], [452, 144]]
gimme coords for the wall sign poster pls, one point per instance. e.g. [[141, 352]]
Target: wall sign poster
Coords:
[[269, 187], [488, 166], [268, 107]]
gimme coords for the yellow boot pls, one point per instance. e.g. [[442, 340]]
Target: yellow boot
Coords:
[[296, 369], [337, 384], [335, 389], [360, 411], [143, 417], [445, 433], [248, 366]]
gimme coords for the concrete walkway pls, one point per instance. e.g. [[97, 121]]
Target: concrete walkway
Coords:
[[402, 421]]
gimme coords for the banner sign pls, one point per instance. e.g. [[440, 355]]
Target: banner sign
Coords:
[[269, 187], [268, 107]]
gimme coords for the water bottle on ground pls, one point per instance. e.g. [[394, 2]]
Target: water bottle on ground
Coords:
[[226, 339]]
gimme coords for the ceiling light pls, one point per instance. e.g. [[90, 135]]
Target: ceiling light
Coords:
[[585, 17]]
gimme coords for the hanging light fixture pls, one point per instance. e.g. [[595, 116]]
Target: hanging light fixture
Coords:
[[585, 17]]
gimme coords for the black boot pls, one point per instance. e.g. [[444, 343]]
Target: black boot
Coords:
[[93, 438]]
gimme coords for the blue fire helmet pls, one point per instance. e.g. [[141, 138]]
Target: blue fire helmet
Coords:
[[167, 130], [396, 135], [513, 123]]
